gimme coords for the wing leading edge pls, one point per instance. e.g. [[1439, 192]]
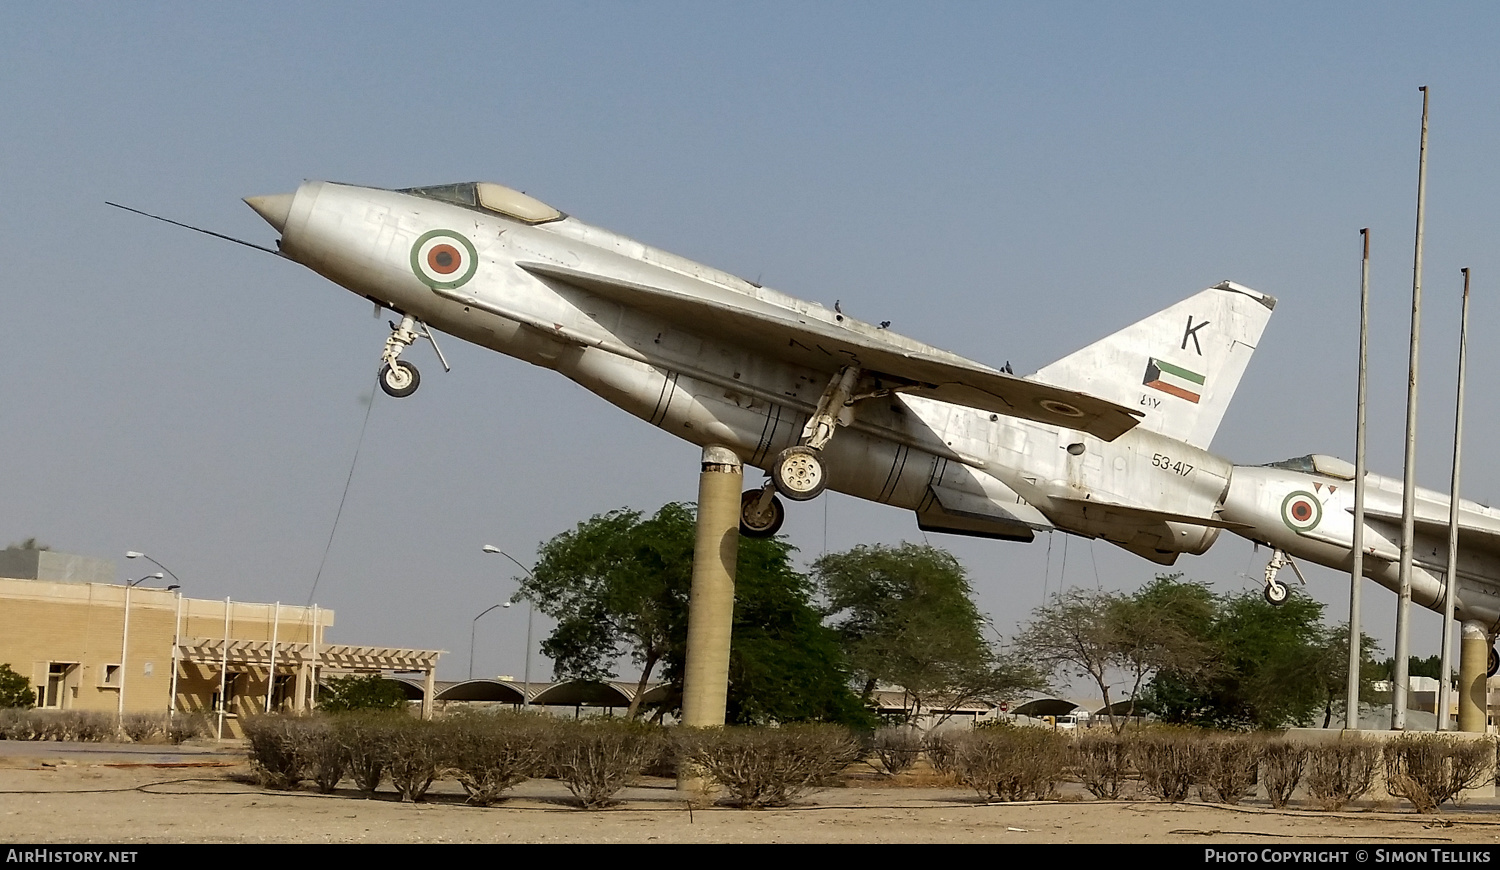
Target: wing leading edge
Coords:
[[784, 333]]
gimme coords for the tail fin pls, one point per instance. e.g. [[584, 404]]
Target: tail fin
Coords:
[[1180, 366]]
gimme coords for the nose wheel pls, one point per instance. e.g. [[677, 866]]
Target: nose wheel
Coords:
[[399, 379], [1494, 664], [1276, 592]]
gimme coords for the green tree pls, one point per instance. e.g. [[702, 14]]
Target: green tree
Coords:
[[618, 586], [1120, 641], [15, 690], [1333, 669], [373, 692], [1277, 666], [1432, 666], [30, 543], [907, 618]]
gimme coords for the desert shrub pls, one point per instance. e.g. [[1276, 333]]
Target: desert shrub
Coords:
[[1011, 763], [667, 761], [1428, 770], [368, 738], [144, 727], [1282, 762], [16, 724], [1170, 761], [896, 749], [1341, 771], [278, 749], [325, 756], [1102, 760], [1229, 766], [416, 757], [489, 754], [596, 758], [183, 727], [771, 767], [940, 749], [15, 690], [75, 725], [92, 727]]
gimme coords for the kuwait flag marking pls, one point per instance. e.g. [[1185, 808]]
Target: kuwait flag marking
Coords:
[[1174, 380]]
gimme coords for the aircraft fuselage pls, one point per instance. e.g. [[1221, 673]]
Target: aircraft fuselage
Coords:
[[460, 270], [1310, 514]]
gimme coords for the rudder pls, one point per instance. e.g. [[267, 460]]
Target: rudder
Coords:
[[1179, 366]]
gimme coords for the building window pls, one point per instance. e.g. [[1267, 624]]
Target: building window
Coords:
[[54, 693], [110, 676]]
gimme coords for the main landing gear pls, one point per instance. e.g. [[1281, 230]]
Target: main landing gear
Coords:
[[398, 377], [761, 513], [799, 472], [1276, 592]]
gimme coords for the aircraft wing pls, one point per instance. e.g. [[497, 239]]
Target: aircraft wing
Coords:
[[1130, 513], [1474, 530], [787, 334]]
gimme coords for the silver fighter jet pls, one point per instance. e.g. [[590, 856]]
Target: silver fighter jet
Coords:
[[1304, 508], [1110, 442]]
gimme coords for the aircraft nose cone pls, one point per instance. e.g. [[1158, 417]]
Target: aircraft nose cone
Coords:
[[274, 208]]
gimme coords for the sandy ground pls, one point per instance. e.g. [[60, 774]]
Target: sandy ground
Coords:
[[51, 793]]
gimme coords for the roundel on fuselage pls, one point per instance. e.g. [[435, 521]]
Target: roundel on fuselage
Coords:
[[443, 259], [1301, 511]]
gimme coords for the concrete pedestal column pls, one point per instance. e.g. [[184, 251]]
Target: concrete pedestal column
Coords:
[[705, 678], [1473, 691]]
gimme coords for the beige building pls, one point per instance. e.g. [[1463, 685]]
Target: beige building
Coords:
[[122, 649]]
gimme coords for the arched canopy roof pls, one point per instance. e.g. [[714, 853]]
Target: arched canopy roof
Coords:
[[1046, 707], [500, 691], [583, 693]]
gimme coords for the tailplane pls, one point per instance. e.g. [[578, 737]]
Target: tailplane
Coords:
[[1179, 366]]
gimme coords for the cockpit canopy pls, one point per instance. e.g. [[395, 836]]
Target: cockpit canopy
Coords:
[[490, 197], [1318, 463]]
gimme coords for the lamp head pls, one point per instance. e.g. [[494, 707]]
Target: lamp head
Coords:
[[133, 554], [491, 548]]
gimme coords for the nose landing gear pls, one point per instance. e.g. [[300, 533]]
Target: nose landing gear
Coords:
[[1276, 592], [398, 377]]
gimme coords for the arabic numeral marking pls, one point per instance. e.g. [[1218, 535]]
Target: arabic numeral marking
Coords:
[[1165, 463]]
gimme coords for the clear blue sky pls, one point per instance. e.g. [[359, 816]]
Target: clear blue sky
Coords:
[[1007, 181]]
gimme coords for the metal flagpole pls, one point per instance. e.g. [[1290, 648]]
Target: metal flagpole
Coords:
[[1357, 566], [1451, 581], [223, 672], [1409, 478]]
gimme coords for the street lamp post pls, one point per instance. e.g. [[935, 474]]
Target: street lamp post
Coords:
[[125, 646], [176, 630], [530, 612], [136, 554], [472, 627]]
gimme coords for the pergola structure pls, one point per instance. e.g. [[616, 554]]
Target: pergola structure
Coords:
[[306, 662]]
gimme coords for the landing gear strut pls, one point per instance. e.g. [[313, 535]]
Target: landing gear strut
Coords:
[[799, 472], [1276, 592], [398, 377]]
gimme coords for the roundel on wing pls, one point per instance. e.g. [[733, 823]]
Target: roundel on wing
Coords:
[[443, 259], [1301, 511]]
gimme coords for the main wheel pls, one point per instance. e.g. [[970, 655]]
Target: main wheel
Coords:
[[1494, 663], [799, 473], [763, 527], [400, 380], [1276, 594]]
